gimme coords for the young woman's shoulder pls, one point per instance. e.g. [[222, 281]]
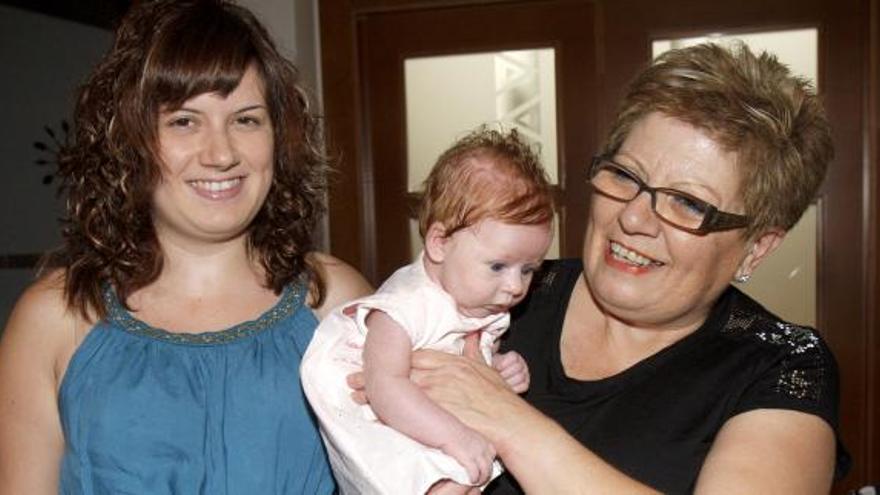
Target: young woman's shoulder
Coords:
[[40, 336], [42, 327], [43, 299], [342, 282]]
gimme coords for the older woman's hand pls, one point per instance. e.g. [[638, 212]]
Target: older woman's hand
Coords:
[[465, 386], [468, 388]]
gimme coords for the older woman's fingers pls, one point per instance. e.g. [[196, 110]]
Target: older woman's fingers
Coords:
[[472, 346], [455, 375], [359, 397], [429, 359], [357, 383], [356, 380]]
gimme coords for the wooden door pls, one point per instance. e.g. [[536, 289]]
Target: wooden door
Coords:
[[600, 46]]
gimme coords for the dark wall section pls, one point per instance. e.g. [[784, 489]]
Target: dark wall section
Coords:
[[99, 13], [44, 59]]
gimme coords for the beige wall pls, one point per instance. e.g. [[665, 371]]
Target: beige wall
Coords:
[[293, 25]]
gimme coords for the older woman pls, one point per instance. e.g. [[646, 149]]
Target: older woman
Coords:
[[649, 370], [160, 353]]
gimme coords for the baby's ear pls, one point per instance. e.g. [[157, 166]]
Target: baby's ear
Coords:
[[435, 242]]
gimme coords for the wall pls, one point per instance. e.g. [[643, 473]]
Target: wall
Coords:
[[292, 24]]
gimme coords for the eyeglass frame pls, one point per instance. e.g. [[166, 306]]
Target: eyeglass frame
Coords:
[[714, 220]]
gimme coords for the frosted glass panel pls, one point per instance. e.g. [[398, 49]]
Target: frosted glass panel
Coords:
[[448, 96], [796, 48], [786, 282]]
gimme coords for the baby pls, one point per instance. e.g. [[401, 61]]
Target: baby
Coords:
[[485, 219]]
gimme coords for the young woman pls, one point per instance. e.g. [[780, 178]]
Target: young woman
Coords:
[[159, 351]]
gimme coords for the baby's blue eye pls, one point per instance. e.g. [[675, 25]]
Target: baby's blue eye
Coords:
[[497, 267], [528, 270]]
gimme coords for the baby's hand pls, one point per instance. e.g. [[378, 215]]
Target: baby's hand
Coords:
[[513, 368], [473, 452]]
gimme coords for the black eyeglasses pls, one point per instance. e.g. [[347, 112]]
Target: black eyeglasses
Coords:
[[674, 207]]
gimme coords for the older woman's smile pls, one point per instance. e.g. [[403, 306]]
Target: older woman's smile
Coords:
[[630, 257]]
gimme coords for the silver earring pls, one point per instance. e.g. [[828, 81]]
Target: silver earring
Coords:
[[741, 279]]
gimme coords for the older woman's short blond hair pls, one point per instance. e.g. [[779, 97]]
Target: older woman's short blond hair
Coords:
[[751, 105]]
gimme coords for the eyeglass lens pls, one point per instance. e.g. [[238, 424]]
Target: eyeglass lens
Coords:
[[673, 206]]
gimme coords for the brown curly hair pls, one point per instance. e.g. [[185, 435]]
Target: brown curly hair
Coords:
[[486, 174], [165, 52], [750, 104]]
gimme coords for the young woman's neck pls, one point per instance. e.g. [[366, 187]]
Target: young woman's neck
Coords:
[[207, 267]]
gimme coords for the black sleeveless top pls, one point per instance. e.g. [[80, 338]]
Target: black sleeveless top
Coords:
[[657, 420]]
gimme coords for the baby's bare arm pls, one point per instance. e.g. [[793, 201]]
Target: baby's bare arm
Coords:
[[400, 404]]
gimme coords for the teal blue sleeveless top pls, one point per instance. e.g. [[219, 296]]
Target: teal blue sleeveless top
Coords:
[[146, 411]]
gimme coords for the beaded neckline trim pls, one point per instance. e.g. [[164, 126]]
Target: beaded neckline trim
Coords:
[[291, 299]]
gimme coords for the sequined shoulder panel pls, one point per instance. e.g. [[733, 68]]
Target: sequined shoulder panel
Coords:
[[552, 272], [804, 362], [292, 297]]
